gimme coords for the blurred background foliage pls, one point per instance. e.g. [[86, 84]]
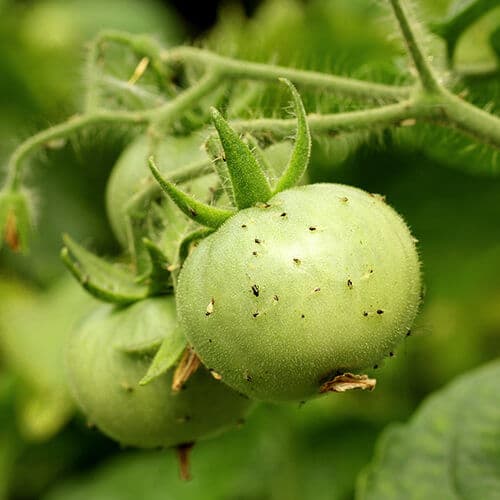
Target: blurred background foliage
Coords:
[[445, 186]]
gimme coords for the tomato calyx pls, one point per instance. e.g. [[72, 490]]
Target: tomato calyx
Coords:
[[250, 186]]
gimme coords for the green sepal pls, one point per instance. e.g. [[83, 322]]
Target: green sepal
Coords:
[[158, 278], [214, 150], [189, 240], [198, 211], [105, 281], [250, 184], [15, 220], [170, 350], [299, 159]]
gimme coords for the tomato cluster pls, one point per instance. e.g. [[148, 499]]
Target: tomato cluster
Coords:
[[283, 292]]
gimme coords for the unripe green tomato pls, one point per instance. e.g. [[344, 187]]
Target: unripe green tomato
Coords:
[[104, 381], [131, 174], [323, 279]]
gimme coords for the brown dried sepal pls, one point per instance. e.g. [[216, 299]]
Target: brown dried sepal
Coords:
[[348, 382], [11, 233], [187, 366], [183, 452]]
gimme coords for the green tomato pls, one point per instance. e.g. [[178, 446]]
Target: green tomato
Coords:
[[104, 381], [324, 279], [131, 174]]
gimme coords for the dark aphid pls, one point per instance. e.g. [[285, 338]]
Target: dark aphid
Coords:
[[344, 199], [349, 283], [297, 261], [365, 313], [276, 298], [283, 214], [255, 290], [408, 333], [375, 367], [380, 311], [302, 316], [193, 212], [254, 253], [255, 314], [317, 289], [258, 241], [312, 228], [244, 226], [248, 378], [391, 354]]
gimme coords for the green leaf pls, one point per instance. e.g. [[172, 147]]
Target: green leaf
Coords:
[[450, 449], [169, 352], [103, 280], [202, 213], [250, 185], [301, 153]]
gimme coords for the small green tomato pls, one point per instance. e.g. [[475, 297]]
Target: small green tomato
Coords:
[[105, 381], [130, 173]]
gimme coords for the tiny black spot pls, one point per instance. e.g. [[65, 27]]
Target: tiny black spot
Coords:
[[365, 313], [349, 283], [375, 367], [257, 241], [371, 271], [255, 290], [209, 341], [391, 354], [344, 199], [193, 212], [317, 289], [248, 378], [302, 316], [254, 253], [380, 311], [243, 226], [297, 261], [255, 314], [276, 298], [283, 214], [408, 333], [312, 228]]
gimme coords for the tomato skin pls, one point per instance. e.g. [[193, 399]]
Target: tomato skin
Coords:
[[323, 279], [104, 381]]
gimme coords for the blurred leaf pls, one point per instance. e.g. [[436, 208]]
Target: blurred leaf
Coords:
[[449, 449], [33, 332]]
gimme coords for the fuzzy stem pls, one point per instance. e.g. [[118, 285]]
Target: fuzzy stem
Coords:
[[338, 122], [170, 111], [237, 69], [471, 120], [163, 116], [425, 72], [62, 130]]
